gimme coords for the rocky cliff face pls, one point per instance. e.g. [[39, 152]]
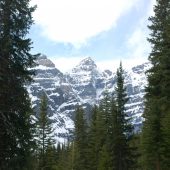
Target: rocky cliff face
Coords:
[[84, 85]]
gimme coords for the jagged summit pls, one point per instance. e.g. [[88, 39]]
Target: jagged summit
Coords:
[[42, 56], [86, 64], [140, 68], [44, 61], [87, 61]]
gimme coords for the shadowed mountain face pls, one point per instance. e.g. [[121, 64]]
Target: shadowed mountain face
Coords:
[[84, 85]]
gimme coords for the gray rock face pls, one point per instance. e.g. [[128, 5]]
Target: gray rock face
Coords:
[[84, 85], [42, 60], [136, 81]]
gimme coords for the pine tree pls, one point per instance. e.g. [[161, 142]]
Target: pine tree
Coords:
[[94, 139], [105, 117], [105, 133], [104, 159], [122, 128], [155, 132], [50, 158], [15, 59], [44, 131], [80, 145]]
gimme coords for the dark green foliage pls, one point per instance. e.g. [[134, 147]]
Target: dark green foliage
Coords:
[[104, 159], [121, 100], [45, 137], [110, 132], [135, 144], [107, 107], [122, 128], [66, 160], [15, 59], [94, 139], [100, 135], [156, 133], [101, 146], [50, 161], [80, 144]]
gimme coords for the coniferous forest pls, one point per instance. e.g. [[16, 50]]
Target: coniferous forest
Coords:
[[108, 140]]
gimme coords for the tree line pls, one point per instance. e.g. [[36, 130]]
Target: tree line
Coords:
[[103, 143], [107, 142]]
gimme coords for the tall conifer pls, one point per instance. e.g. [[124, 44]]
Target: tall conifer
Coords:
[[44, 132], [93, 140], [15, 59], [106, 133], [156, 133], [123, 130], [80, 145]]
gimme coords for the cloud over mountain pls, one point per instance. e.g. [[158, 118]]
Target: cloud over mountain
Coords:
[[75, 21]]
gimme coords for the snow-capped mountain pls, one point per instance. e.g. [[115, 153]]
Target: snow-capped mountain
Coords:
[[84, 85]]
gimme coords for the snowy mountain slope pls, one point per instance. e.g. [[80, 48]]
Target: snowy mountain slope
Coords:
[[135, 80], [84, 85]]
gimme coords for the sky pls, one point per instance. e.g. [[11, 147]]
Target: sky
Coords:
[[108, 31]]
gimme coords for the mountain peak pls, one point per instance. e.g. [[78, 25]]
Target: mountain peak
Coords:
[[44, 61], [86, 64], [87, 61]]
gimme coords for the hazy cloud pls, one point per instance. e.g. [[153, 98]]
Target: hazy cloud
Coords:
[[138, 46], [75, 21], [66, 64]]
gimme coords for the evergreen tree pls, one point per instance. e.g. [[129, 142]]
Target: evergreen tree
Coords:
[[122, 128], [155, 132], [104, 159], [15, 59], [80, 145], [58, 151], [70, 156], [65, 157], [121, 101], [104, 120], [94, 139], [105, 133], [62, 161], [50, 158], [44, 131]]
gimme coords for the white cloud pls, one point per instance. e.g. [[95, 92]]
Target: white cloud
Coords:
[[137, 43], [75, 21], [65, 64], [114, 64], [138, 46], [152, 4]]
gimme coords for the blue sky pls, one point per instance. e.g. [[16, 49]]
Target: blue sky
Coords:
[[106, 30]]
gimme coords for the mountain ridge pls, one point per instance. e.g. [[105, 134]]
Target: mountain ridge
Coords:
[[84, 85]]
